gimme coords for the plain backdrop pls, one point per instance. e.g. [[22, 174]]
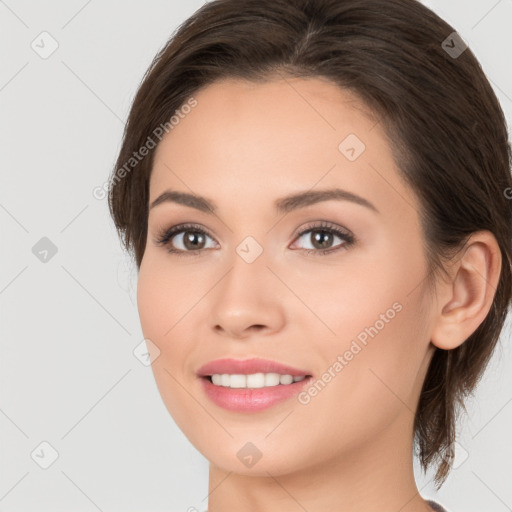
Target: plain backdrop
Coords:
[[69, 322]]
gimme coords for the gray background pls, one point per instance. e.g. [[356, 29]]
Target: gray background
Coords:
[[69, 325]]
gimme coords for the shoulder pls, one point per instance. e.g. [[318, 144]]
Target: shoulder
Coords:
[[436, 507]]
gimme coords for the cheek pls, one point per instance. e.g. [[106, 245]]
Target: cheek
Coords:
[[162, 297], [162, 307], [379, 314], [151, 305], [163, 300], [374, 385], [379, 377]]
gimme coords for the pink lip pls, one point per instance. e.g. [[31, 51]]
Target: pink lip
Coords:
[[248, 367], [250, 400]]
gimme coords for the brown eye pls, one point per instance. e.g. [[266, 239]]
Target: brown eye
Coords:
[[322, 237], [190, 239], [193, 240], [184, 239]]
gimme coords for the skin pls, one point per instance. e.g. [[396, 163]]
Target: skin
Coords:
[[350, 447]]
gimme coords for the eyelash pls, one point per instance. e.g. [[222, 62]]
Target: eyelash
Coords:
[[165, 236]]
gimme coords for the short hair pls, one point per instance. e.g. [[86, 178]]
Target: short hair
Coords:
[[443, 121]]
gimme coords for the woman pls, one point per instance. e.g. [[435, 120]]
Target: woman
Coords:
[[316, 195]]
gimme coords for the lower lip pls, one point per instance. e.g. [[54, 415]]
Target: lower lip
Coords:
[[251, 400]]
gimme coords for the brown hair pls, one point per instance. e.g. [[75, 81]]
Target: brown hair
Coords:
[[445, 126]]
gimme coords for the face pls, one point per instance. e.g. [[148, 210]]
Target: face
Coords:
[[332, 286]]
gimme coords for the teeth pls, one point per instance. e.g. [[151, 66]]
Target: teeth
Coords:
[[255, 380]]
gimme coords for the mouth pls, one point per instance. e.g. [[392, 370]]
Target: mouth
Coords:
[[251, 385], [251, 399]]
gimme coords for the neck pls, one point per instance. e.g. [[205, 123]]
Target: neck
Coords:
[[378, 476]]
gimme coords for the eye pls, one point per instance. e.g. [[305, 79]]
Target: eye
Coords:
[[191, 243], [190, 239], [322, 235]]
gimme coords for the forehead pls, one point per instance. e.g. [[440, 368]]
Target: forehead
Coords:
[[302, 93], [310, 105], [249, 140]]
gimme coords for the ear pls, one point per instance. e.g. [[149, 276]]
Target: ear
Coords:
[[464, 301]]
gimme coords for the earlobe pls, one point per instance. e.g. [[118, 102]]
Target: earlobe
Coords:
[[468, 296]]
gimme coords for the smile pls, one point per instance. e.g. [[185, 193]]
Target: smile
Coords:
[[254, 380]]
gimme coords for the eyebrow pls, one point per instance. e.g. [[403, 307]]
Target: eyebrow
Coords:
[[282, 205]]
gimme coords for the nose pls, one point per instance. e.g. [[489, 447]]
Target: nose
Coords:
[[248, 300]]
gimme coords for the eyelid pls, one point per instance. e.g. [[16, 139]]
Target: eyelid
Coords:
[[164, 235], [345, 234], [320, 224]]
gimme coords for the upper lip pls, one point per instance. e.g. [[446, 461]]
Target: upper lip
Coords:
[[248, 367]]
